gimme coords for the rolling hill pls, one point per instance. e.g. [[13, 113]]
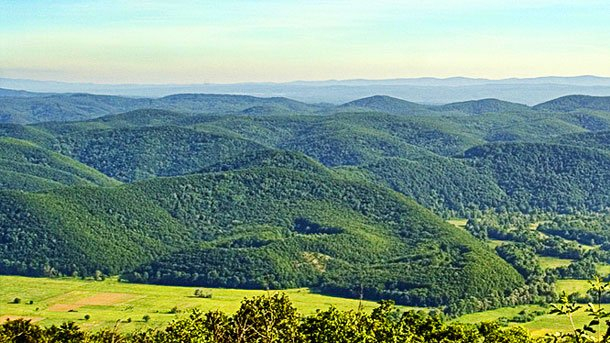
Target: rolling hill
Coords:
[[439, 183], [385, 104], [576, 102], [26, 166], [484, 106], [130, 154], [252, 228], [546, 176]]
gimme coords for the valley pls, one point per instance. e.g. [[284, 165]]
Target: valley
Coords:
[[482, 210]]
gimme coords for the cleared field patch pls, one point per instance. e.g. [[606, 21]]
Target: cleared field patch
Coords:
[[99, 299], [491, 315], [553, 262], [494, 243], [551, 323], [102, 299], [461, 223], [572, 286], [603, 269], [9, 317]]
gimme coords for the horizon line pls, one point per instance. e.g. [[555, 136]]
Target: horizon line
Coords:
[[311, 81]]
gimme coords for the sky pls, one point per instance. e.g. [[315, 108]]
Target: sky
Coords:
[[228, 41]]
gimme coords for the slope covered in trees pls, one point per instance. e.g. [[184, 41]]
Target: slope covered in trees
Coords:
[[385, 104], [130, 154], [26, 166], [439, 183], [484, 106], [255, 227], [248, 192], [576, 102], [598, 140], [546, 176]]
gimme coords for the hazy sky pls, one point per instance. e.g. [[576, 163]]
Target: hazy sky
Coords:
[[268, 40]]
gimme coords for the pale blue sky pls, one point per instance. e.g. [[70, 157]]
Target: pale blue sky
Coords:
[[272, 40]]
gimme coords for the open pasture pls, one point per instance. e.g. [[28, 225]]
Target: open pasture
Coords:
[[111, 303]]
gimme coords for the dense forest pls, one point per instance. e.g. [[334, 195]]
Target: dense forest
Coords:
[[239, 191]]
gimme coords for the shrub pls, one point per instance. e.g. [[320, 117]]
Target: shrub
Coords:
[[203, 293]]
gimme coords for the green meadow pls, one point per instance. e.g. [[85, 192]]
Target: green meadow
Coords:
[[111, 303]]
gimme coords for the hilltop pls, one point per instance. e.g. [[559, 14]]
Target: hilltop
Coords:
[[484, 106], [576, 102]]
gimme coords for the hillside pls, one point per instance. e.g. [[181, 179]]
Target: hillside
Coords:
[[28, 133], [439, 183], [18, 93], [130, 154], [247, 229], [224, 103], [484, 106], [64, 107], [598, 140], [411, 154], [26, 166], [385, 104], [546, 176], [576, 102], [351, 138]]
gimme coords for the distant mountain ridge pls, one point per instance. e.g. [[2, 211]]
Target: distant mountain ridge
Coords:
[[27, 108], [427, 90], [83, 106]]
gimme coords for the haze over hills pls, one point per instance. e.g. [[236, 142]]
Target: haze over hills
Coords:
[[528, 91]]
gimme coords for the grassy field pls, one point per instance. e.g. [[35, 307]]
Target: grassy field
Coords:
[[494, 243], [541, 325], [603, 269], [546, 323], [459, 222], [552, 262], [572, 286], [110, 303]]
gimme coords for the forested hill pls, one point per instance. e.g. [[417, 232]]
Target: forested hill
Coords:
[[576, 102], [384, 104], [415, 155], [130, 154], [546, 176], [257, 227], [485, 106], [26, 166]]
